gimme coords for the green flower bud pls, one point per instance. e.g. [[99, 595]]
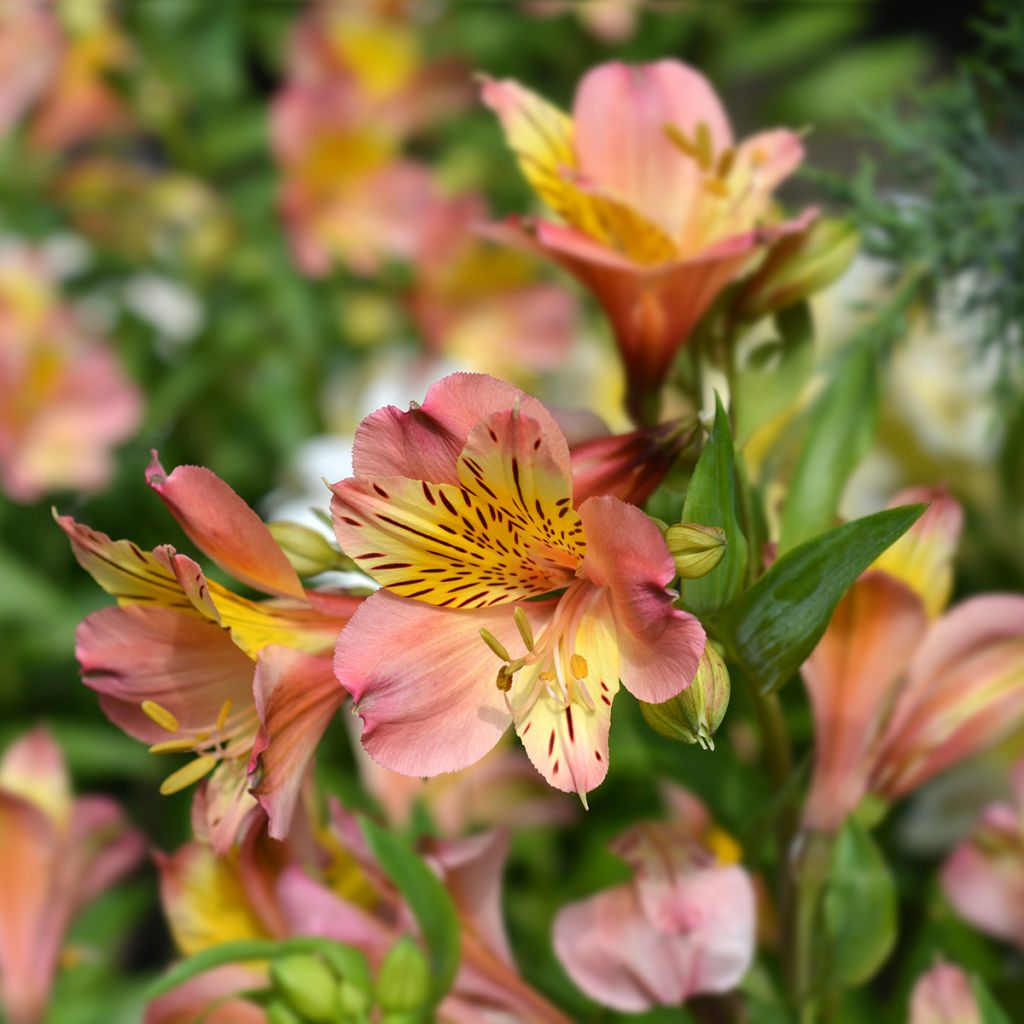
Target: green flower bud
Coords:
[[697, 549], [280, 1013], [308, 550], [353, 1000], [403, 982], [797, 266], [694, 715], [306, 985]]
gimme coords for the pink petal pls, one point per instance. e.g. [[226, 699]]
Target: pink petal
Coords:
[[33, 768], [621, 113], [425, 442], [296, 696], [852, 678], [102, 847], [187, 665], [423, 682], [987, 888], [944, 996], [224, 528], [659, 646], [208, 998]]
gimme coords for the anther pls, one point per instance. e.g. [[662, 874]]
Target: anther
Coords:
[[183, 777], [173, 746], [495, 645], [523, 625], [222, 715], [578, 665], [160, 715], [504, 680]]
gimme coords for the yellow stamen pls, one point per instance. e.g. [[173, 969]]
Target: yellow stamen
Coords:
[[495, 644], [705, 147], [716, 187], [578, 665], [725, 162], [173, 746], [222, 715], [184, 777], [523, 625], [680, 141], [160, 715]]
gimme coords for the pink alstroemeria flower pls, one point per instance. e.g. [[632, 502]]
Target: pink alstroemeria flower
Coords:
[[661, 209], [462, 509], [65, 402], [899, 691], [984, 876], [684, 926], [328, 884], [57, 854], [944, 996], [188, 666]]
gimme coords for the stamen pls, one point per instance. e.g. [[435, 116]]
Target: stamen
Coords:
[[160, 715], [725, 162], [523, 625], [579, 667], [504, 680], [184, 777], [495, 645], [705, 147], [173, 746], [585, 694], [222, 715]]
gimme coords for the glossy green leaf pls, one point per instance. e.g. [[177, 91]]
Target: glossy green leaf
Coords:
[[859, 908], [428, 899], [989, 1010], [775, 625], [712, 500], [841, 429]]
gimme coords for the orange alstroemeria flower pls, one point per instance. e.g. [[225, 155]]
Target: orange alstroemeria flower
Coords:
[[660, 207], [187, 665]]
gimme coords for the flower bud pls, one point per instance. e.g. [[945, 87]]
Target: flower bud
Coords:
[[280, 1013], [697, 549], [796, 267], [306, 985], [403, 983], [693, 715], [309, 551]]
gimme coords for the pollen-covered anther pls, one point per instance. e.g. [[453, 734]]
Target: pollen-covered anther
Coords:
[[523, 625], [158, 714], [504, 680], [222, 715], [185, 776], [496, 646], [578, 666]]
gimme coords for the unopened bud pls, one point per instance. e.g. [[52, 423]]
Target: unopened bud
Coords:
[[696, 549], [308, 550], [306, 985], [280, 1013], [797, 266], [693, 715], [403, 982]]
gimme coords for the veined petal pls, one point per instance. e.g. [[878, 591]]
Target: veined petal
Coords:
[[33, 768], [659, 646], [204, 900], [565, 728], [210, 998], [507, 532], [222, 805], [296, 697], [425, 442], [224, 528], [423, 682], [188, 666]]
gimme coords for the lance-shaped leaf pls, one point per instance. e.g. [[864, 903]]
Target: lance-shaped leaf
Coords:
[[774, 625], [841, 430], [989, 1010], [712, 500], [860, 907], [428, 900]]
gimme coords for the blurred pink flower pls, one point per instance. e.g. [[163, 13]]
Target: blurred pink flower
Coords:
[[611, 21], [984, 876], [462, 509], [188, 666], [661, 208], [684, 926], [64, 400], [944, 996], [900, 692], [327, 883], [30, 49], [57, 854]]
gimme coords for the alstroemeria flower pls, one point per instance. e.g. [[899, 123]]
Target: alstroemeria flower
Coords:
[[57, 854], [984, 876], [661, 208], [944, 996], [899, 691], [684, 926], [332, 887], [65, 402], [187, 665], [462, 509]]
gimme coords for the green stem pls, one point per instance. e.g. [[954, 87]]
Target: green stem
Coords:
[[810, 867]]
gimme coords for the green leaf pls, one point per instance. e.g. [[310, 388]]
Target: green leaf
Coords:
[[840, 431], [428, 899], [989, 1010], [775, 625], [859, 907], [711, 500]]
